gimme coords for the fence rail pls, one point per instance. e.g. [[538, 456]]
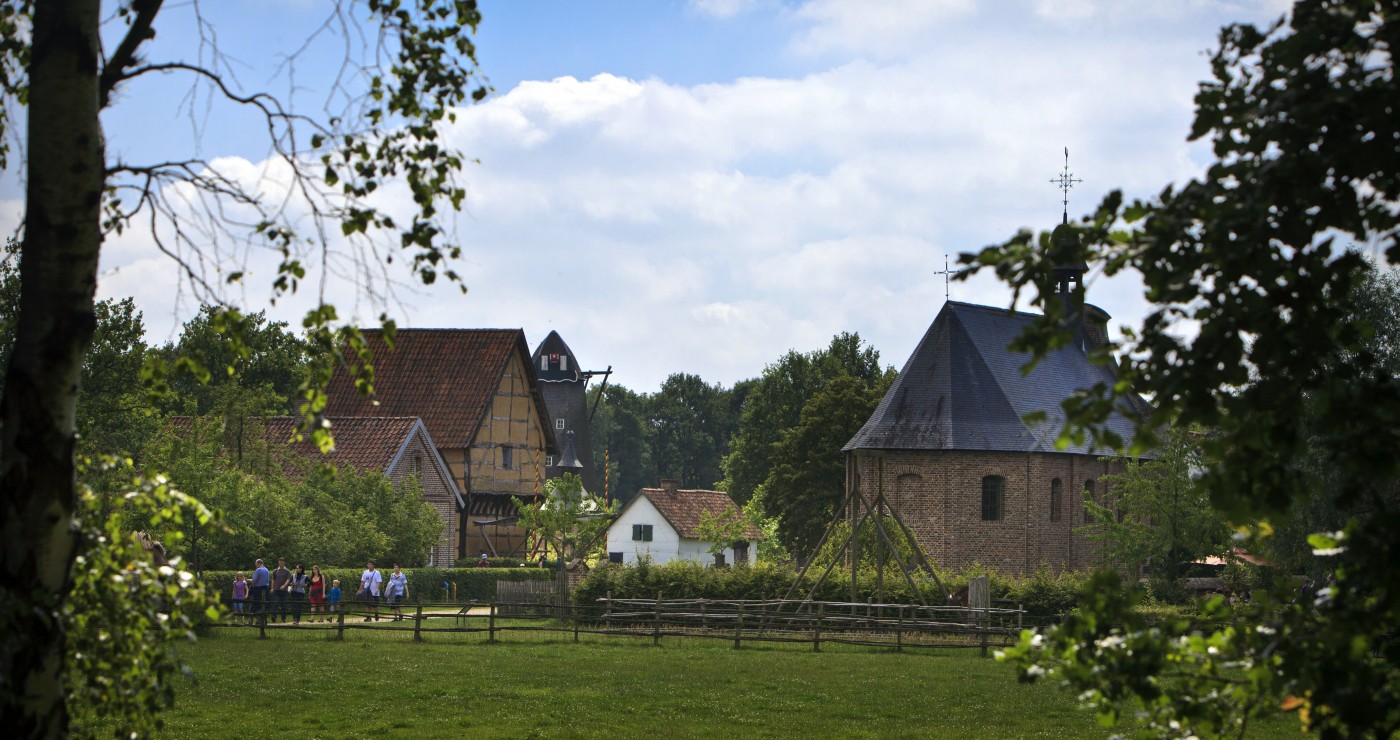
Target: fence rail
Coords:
[[816, 623]]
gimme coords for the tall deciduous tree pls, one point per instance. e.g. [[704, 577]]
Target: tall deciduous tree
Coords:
[[54, 62], [774, 403], [1303, 122]]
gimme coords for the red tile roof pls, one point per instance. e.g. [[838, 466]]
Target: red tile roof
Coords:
[[447, 377], [682, 509], [364, 442]]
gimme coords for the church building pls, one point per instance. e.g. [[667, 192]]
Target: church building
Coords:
[[951, 450]]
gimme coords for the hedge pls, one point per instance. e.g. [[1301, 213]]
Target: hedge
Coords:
[[1042, 594], [477, 584]]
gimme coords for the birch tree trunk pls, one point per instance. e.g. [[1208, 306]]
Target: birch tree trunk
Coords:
[[58, 272]]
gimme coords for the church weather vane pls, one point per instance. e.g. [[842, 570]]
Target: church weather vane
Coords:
[[1066, 180]]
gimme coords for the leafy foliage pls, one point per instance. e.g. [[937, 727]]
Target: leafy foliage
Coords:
[[1158, 516], [570, 520], [126, 613], [1302, 122]]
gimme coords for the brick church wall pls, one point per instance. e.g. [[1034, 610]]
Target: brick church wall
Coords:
[[938, 494]]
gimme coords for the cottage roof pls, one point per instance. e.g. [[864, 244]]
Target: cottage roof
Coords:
[[963, 389], [374, 443], [682, 509], [447, 377]]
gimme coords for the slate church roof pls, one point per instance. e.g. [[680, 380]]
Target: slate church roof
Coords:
[[962, 389]]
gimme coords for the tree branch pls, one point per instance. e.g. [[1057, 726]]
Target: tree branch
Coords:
[[113, 71]]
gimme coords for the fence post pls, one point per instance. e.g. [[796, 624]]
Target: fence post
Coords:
[[491, 626], [607, 618], [1020, 615], [340, 626], [704, 614], [656, 624], [573, 614], [418, 623], [262, 624], [899, 630], [739, 625], [817, 634]]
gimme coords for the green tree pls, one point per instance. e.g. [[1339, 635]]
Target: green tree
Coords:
[[265, 356], [621, 446], [570, 520], [774, 403], [1301, 116], [1157, 516], [66, 61], [807, 482], [690, 425]]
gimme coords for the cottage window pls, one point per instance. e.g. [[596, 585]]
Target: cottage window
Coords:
[[1057, 494], [615, 557], [741, 552], [508, 458], [992, 487], [548, 460], [559, 423], [641, 533], [1089, 496]]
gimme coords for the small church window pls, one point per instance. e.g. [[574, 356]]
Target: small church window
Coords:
[[559, 423], [548, 460], [992, 487], [1089, 495], [1057, 491]]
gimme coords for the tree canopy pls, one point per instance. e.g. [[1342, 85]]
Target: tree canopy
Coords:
[[408, 66], [1302, 121]]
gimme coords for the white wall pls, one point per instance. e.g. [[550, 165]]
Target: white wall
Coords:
[[665, 545]]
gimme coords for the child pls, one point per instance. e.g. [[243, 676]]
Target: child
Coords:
[[240, 595], [333, 598]]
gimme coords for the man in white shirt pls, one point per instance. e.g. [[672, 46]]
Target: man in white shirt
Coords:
[[369, 589]]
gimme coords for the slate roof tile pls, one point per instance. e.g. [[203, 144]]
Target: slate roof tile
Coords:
[[962, 389]]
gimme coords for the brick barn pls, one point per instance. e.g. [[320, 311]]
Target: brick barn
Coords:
[[956, 460]]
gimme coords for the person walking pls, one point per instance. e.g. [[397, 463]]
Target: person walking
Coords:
[[297, 593], [281, 587], [369, 590], [397, 591], [262, 581], [240, 595], [316, 589]]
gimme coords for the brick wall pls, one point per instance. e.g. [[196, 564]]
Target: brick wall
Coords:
[[938, 494], [418, 459]]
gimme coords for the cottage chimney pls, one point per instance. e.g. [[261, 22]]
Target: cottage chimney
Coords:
[[668, 485]]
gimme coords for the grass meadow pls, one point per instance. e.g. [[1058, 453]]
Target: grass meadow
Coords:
[[379, 683]]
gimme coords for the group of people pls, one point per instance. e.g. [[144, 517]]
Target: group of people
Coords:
[[284, 592]]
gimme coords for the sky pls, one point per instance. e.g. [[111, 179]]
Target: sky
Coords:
[[700, 186]]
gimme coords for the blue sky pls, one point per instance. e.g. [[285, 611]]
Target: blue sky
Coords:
[[700, 186]]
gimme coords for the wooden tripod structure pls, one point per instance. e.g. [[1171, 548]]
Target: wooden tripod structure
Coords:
[[861, 509]]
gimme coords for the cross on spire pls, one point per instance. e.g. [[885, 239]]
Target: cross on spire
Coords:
[[1066, 180], [945, 272]]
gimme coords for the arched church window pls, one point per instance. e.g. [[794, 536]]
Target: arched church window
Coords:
[[992, 489], [1089, 495], [1057, 494]]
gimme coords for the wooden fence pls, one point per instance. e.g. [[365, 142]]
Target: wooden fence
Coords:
[[815, 623]]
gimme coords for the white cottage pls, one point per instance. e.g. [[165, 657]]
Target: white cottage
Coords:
[[664, 524]]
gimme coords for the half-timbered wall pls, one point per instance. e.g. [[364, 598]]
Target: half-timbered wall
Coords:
[[506, 461]]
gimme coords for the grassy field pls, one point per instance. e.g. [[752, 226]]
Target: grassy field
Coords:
[[379, 683]]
